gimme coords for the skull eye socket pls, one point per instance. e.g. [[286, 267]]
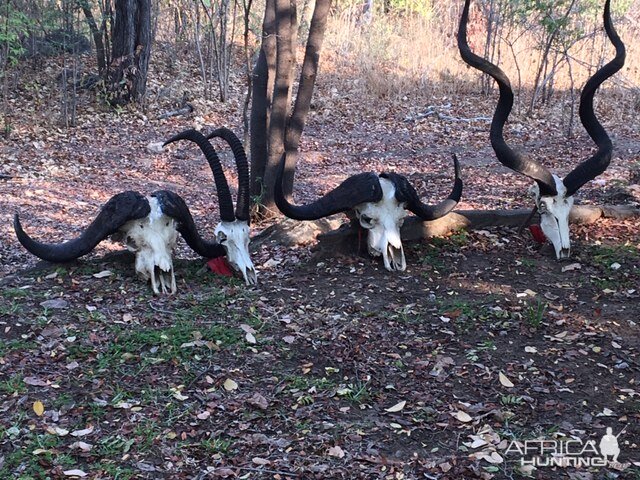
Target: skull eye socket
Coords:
[[366, 221]]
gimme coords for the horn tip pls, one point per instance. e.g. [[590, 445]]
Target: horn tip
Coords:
[[456, 166], [187, 134]]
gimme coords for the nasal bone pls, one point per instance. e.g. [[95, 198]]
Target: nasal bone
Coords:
[[394, 240], [565, 242]]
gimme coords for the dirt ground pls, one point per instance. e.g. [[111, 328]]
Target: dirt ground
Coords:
[[331, 367]]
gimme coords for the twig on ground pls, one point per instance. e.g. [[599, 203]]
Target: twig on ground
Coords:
[[266, 470], [187, 109], [160, 310]]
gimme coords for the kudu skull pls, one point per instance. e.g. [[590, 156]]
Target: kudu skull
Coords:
[[232, 233], [553, 196], [379, 203]]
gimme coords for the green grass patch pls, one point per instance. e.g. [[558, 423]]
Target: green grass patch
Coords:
[[217, 445], [23, 464], [10, 293], [527, 263], [182, 340], [17, 344], [12, 385], [357, 392], [464, 314], [534, 313], [306, 382], [113, 446], [612, 276], [605, 255], [10, 308], [432, 251], [113, 471]]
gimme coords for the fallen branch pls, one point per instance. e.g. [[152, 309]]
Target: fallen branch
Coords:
[[449, 118], [186, 110], [347, 235], [292, 232]]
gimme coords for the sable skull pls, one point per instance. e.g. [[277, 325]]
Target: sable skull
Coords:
[[232, 233], [147, 225], [553, 197], [379, 202]]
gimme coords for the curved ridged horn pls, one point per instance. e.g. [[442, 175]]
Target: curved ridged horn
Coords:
[[598, 163], [175, 207], [508, 157], [224, 195], [357, 189], [405, 193], [242, 165], [120, 209]]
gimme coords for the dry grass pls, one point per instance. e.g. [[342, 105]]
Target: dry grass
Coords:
[[417, 57]]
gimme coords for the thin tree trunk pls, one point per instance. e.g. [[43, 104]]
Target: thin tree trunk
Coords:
[[247, 57], [305, 90], [261, 92], [96, 33], [198, 45], [280, 103], [4, 69], [544, 59]]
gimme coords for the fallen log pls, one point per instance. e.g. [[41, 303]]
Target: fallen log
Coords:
[[415, 229], [332, 234], [290, 232], [184, 110]]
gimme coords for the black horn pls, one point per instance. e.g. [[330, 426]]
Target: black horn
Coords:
[[224, 195], [175, 207], [120, 209], [242, 165], [405, 193], [357, 189], [508, 157], [598, 163]]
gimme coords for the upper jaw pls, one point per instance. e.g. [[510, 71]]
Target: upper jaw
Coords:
[[392, 256], [394, 259], [249, 275], [247, 270]]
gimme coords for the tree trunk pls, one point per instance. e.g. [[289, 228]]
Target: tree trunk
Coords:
[[262, 88], [280, 103], [101, 56], [305, 91], [274, 132], [131, 49]]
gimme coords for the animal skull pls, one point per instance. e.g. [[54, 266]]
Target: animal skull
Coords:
[[147, 225], [380, 203], [234, 238], [383, 221], [553, 196], [554, 217], [232, 233], [153, 239]]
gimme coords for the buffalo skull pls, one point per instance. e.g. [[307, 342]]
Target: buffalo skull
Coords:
[[380, 203]]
